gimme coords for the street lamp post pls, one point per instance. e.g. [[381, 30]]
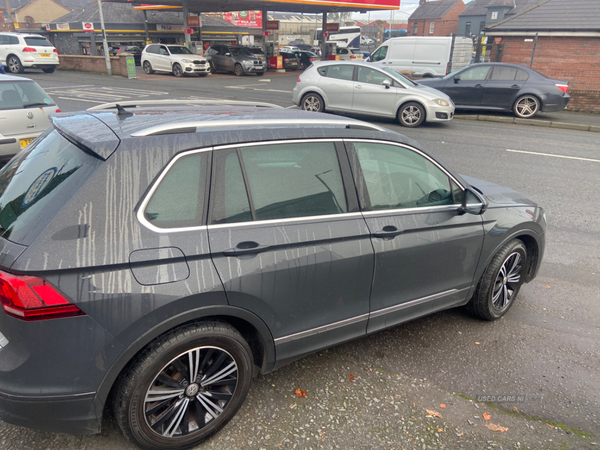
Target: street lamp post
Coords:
[[104, 43]]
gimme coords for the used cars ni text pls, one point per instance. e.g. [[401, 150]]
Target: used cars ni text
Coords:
[[353, 87], [503, 87], [153, 260]]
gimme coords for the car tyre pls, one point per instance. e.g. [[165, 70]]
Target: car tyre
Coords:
[[212, 68], [238, 70], [177, 70], [411, 115], [49, 70], [14, 64], [195, 409], [148, 68], [526, 106], [501, 281], [312, 102]]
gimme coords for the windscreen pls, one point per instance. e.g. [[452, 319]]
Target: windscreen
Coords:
[[37, 183], [240, 51], [22, 94], [40, 41]]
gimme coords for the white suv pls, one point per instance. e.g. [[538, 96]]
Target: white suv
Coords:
[[176, 59], [23, 51]]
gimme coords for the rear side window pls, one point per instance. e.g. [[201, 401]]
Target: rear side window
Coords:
[[502, 73], [36, 184], [345, 72], [178, 201], [40, 41]]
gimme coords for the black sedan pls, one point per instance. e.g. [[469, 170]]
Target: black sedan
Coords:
[[503, 87], [290, 61], [307, 58], [134, 50]]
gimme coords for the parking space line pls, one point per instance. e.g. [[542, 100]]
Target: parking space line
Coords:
[[553, 156], [81, 100]]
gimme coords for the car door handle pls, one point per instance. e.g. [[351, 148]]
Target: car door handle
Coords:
[[478, 85], [246, 248], [358, 86], [388, 232], [515, 86]]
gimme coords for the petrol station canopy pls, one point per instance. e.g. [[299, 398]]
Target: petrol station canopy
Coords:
[[299, 6]]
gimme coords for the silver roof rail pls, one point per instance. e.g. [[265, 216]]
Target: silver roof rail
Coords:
[[181, 102], [192, 126]]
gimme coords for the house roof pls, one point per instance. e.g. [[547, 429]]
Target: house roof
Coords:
[[124, 13], [433, 10], [480, 7], [555, 15], [496, 3]]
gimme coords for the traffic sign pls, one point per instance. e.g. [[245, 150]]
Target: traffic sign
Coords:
[[87, 26], [266, 33], [325, 34], [188, 31]]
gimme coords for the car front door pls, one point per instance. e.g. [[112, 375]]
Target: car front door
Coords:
[[337, 83], [371, 96], [227, 59], [466, 87], [426, 251], [503, 86], [162, 58], [289, 243]]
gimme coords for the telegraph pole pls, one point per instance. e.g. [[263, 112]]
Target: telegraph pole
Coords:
[[104, 43]]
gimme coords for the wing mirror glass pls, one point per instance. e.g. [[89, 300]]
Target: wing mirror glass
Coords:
[[386, 83]]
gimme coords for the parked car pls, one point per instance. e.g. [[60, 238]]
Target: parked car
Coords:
[[159, 293], [236, 59], [290, 60], [176, 59], [25, 108], [20, 51], [503, 87], [134, 50], [350, 54], [299, 43], [365, 40], [354, 87], [258, 52], [306, 59], [288, 49]]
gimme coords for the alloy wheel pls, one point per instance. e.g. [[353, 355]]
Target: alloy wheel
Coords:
[[312, 103], [177, 70], [190, 392], [527, 106], [411, 115], [507, 281], [14, 65]]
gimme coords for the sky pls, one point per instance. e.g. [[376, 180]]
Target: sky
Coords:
[[407, 7]]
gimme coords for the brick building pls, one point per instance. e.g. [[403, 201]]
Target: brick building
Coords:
[[435, 18], [563, 41]]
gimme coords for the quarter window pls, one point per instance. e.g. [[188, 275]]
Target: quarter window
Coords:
[[521, 75], [396, 178], [178, 200]]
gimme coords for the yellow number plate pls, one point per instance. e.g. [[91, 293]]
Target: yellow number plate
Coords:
[[25, 142], [47, 55]]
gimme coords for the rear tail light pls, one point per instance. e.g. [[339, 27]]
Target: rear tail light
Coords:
[[311, 59], [563, 87], [285, 59], [352, 57], [58, 110], [31, 298], [29, 49], [298, 80], [56, 51]]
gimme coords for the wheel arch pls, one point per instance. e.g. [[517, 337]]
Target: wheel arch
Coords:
[[535, 94], [315, 91], [412, 100], [251, 327]]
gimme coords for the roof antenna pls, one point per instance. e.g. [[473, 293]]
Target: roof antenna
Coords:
[[122, 112]]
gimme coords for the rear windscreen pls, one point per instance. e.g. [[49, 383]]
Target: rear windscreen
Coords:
[[41, 41], [37, 183]]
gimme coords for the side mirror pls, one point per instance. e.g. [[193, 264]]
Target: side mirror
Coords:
[[228, 54], [386, 83], [456, 79], [473, 203]]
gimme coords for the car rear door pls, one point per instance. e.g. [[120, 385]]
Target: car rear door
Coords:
[[426, 252], [337, 82], [503, 86], [289, 243]]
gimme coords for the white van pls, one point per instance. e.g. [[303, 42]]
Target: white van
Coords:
[[426, 56]]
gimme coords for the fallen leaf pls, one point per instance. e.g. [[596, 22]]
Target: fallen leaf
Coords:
[[515, 409], [433, 413], [486, 416], [550, 425], [442, 406], [477, 343], [351, 377], [547, 286], [300, 393], [495, 427], [440, 430]]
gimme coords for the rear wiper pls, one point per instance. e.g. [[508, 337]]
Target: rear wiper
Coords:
[[31, 105]]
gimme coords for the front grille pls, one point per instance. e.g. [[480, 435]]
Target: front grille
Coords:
[[197, 61], [256, 62]]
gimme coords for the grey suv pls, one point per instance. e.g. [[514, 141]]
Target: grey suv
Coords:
[[154, 261], [236, 59]]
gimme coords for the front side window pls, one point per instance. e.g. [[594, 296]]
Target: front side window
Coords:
[[379, 54], [163, 51], [478, 73], [396, 177], [279, 181], [178, 50], [178, 201], [371, 76], [345, 72]]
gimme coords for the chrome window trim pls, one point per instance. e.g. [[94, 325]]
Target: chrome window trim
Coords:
[[278, 142], [409, 147], [168, 127], [140, 213], [323, 218], [400, 211], [322, 329], [353, 320]]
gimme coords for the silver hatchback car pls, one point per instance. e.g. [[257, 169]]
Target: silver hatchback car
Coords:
[[354, 87]]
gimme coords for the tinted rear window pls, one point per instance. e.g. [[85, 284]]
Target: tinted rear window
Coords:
[[41, 41], [38, 182]]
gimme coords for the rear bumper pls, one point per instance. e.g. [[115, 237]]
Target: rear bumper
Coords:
[[75, 414], [555, 103]]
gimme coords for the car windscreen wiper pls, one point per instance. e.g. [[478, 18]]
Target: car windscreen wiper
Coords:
[[31, 105]]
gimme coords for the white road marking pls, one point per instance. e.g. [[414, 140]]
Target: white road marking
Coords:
[[265, 81], [98, 94], [249, 87], [66, 87], [81, 100], [553, 156]]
